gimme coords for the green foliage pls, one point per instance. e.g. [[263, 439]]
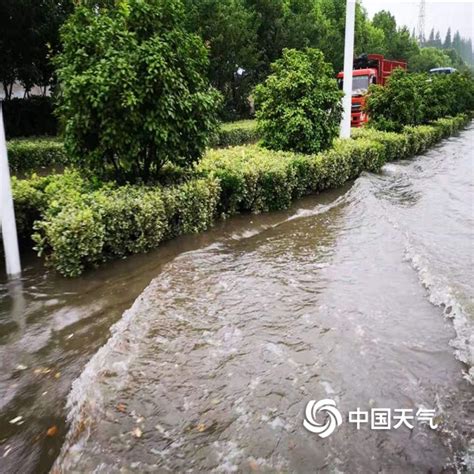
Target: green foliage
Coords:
[[413, 139], [134, 91], [298, 105], [47, 153], [29, 202], [236, 133], [229, 29], [414, 99], [398, 103], [254, 179], [29, 117], [396, 145], [81, 222], [72, 239], [427, 59], [32, 154], [191, 206], [29, 38], [398, 42]]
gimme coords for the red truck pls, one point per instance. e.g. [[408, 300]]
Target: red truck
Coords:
[[368, 69]]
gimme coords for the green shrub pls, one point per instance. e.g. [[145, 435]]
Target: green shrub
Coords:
[[134, 89], [134, 219], [72, 240], [254, 179], [449, 125], [299, 104], [396, 145], [80, 222], [32, 154], [29, 117], [242, 132], [82, 225], [29, 202], [413, 140], [192, 206], [420, 138], [26, 155], [400, 102], [250, 178], [415, 99]]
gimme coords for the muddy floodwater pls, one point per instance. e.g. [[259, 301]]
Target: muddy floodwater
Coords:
[[363, 296]]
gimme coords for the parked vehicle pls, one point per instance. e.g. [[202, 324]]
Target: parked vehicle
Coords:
[[443, 70], [368, 69]]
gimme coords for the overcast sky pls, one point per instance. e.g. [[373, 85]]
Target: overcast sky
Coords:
[[440, 14]]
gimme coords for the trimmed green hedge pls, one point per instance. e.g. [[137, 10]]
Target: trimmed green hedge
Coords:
[[254, 179], [80, 222], [237, 133], [32, 154], [413, 140]]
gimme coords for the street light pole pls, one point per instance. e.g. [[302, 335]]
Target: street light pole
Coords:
[[7, 213], [348, 65]]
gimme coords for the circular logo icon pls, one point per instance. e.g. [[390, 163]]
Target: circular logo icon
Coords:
[[333, 417]]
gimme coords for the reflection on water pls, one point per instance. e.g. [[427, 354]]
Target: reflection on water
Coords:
[[341, 297]]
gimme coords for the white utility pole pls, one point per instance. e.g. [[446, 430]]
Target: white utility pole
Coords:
[[348, 65], [7, 213]]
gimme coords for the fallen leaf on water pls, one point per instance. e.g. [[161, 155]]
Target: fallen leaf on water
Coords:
[[16, 420], [201, 427], [21, 367], [121, 407], [42, 370], [7, 451], [253, 465], [53, 431], [137, 432], [57, 375]]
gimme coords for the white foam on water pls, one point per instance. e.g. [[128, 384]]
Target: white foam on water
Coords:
[[441, 294]]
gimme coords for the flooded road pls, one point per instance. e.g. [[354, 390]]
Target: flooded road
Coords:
[[212, 367], [362, 295]]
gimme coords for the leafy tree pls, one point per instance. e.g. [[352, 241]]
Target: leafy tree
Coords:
[[373, 41], [457, 42], [134, 88], [429, 58], [286, 24], [229, 29], [448, 41], [413, 99], [455, 60], [28, 40], [400, 102], [299, 104], [270, 32], [431, 38], [402, 46], [386, 22], [438, 43]]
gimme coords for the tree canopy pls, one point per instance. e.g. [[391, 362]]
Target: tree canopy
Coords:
[[134, 92], [243, 38]]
